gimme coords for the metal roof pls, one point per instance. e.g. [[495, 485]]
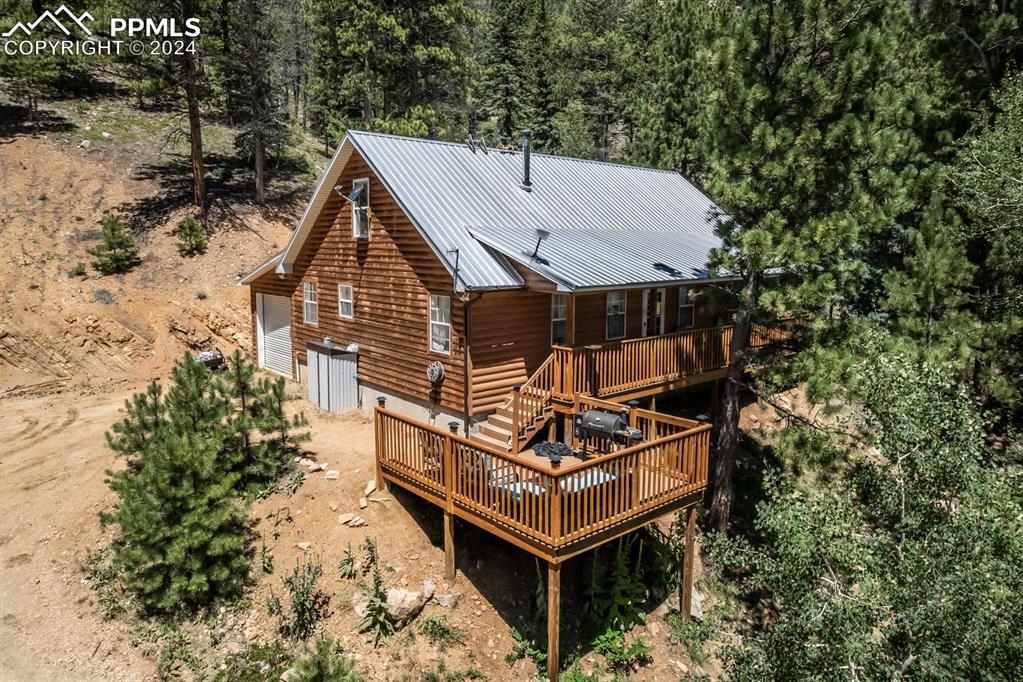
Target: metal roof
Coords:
[[602, 259], [610, 224]]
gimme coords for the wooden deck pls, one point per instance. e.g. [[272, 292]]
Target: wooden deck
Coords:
[[552, 511], [636, 367]]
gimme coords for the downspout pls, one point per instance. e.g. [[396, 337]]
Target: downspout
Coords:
[[466, 363], [467, 300]]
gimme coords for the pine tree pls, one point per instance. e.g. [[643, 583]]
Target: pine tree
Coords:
[[117, 252], [193, 453], [503, 92], [191, 237], [988, 185], [808, 156], [673, 103], [540, 63], [592, 75]]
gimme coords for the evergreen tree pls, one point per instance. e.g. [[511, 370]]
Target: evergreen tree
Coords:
[[540, 63], [117, 252], [673, 104], [808, 156], [192, 454], [987, 179], [590, 36], [504, 96], [396, 67], [191, 237]]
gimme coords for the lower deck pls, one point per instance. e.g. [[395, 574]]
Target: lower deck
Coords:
[[553, 510]]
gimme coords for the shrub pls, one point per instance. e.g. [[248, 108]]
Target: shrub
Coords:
[[117, 252], [327, 662], [266, 559], [191, 237], [619, 656], [257, 663], [77, 271], [308, 604], [202, 295], [440, 632], [191, 455]]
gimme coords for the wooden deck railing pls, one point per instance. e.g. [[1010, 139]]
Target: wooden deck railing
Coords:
[[542, 507], [622, 366], [530, 400]]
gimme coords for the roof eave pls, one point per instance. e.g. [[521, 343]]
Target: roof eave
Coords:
[[263, 268]]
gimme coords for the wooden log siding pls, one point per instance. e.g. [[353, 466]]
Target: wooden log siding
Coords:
[[549, 514], [510, 339], [392, 275]]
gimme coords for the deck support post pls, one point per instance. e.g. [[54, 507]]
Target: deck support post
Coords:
[[449, 548], [449, 508], [381, 482], [653, 403], [553, 619], [552, 429], [685, 598]]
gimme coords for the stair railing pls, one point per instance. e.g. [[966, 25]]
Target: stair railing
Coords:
[[529, 401]]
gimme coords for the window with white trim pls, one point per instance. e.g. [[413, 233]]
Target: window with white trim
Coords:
[[615, 315], [360, 208], [345, 304], [559, 318], [440, 324], [309, 306], [686, 309]]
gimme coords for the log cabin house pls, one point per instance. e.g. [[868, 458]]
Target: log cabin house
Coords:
[[478, 301]]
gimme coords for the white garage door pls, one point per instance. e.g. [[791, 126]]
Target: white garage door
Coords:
[[275, 333]]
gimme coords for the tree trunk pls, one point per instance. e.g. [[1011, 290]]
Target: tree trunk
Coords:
[[260, 154], [195, 131], [723, 491]]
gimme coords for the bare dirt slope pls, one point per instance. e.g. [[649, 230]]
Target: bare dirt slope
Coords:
[[96, 332]]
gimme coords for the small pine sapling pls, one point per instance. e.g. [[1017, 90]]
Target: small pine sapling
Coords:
[[117, 252], [191, 237]]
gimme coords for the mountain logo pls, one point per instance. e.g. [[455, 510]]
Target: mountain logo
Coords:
[[52, 16]]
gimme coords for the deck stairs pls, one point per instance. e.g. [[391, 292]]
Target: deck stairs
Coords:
[[529, 406]]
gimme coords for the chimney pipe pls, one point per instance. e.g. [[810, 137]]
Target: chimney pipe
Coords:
[[526, 184]]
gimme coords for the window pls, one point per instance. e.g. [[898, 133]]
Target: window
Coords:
[[615, 314], [440, 324], [559, 318], [309, 302], [345, 307], [686, 309], [360, 208]]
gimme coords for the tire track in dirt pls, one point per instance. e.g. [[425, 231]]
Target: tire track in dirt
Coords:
[[38, 433]]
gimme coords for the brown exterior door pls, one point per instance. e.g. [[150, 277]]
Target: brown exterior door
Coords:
[[653, 311]]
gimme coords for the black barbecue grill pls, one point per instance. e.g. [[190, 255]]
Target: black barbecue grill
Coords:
[[612, 427]]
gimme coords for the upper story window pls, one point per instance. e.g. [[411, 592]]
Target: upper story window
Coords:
[[559, 318], [309, 306], [615, 315], [686, 309], [345, 305], [360, 208], [440, 324]]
